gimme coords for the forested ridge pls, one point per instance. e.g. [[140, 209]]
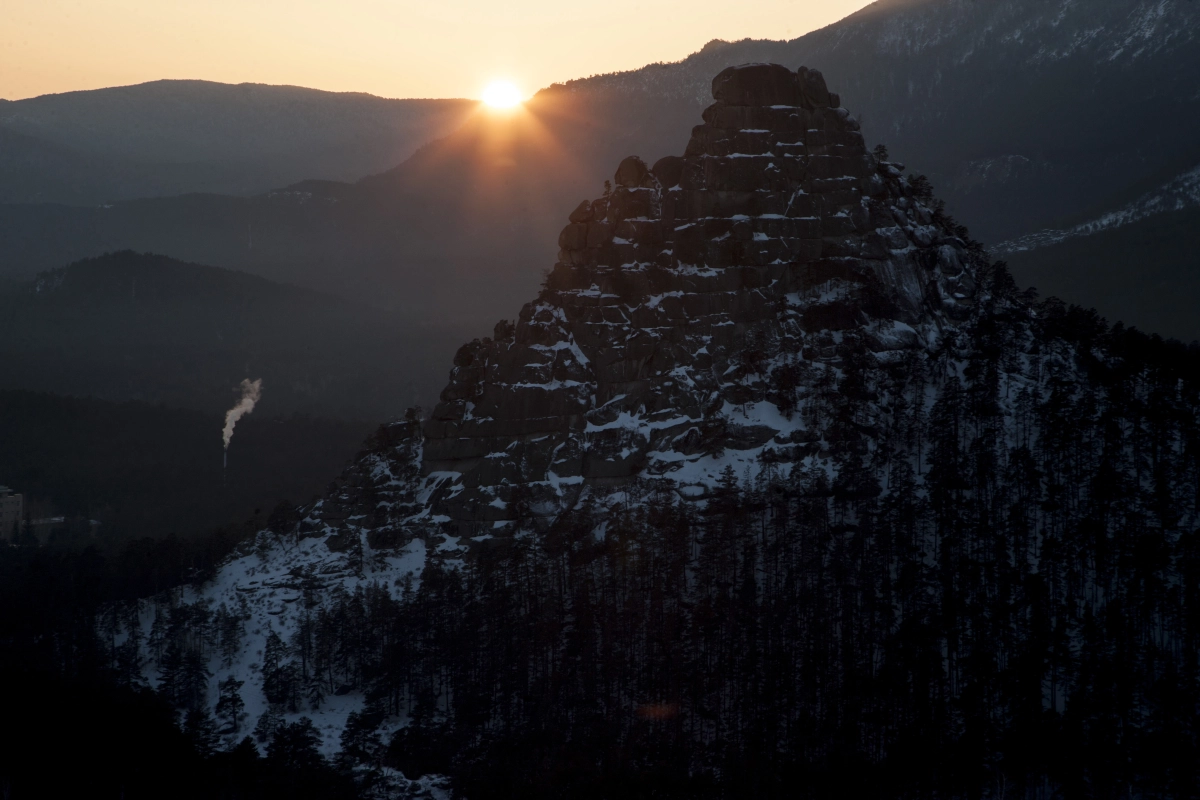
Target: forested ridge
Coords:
[[780, 487], [144, 327], [994, 594]]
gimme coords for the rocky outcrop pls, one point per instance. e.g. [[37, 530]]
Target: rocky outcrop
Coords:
[[770, 406], [662, 338]]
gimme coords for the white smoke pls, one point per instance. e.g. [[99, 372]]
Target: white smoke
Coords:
[[251, 392]]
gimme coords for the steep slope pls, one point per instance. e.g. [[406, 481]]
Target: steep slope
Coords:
[[130, 326], [1012, 153], [176, 137], [776, 463], [678, 295]]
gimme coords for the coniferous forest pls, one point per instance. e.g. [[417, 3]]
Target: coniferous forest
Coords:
[[970, 608], [779, 485]]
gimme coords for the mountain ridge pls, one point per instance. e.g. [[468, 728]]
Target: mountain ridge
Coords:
[[777, 460], [441, 235], [176, 136]]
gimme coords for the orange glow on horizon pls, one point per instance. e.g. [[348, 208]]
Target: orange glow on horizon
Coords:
[[386, 48]]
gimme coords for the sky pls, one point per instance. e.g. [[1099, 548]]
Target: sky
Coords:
[[392, 48]]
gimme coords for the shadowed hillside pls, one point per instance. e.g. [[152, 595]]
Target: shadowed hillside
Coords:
[[129, 326], [150, 470]]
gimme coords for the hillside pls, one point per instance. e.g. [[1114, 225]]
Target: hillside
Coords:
[[130, 326], [1144, 273], [778, 487]]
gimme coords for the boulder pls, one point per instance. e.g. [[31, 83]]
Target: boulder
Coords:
[[582, 213], [812, 84], [504, 331], [758, 85], [631, 172], [629, 204], [573, 237], [466, 353], [387, 538], [668, 170]]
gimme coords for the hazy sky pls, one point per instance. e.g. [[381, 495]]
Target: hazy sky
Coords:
[[395, 48]]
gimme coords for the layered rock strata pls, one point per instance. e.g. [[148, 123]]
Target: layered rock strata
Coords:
[[656, 345], [700, 316]]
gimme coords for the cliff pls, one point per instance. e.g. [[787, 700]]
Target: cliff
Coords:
[[778, 483]]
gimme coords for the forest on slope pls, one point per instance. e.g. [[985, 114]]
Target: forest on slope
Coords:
[[135, 326], [994, 594], [149, 470], [961, 562]]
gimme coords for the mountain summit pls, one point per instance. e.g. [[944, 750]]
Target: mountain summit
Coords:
[[669, 329], [777, 488]]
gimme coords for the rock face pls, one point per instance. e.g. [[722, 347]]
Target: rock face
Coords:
[[702, 317], [775, 453], [661, 342], [771, 407]]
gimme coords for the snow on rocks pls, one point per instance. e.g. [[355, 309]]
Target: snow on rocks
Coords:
[[694, 312]]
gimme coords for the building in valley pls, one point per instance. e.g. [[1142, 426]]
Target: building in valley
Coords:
[[12, 512]]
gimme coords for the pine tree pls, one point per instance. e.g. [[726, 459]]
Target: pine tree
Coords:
[[295, 747], [279, 677], [231, 709], [200, 730], [360, 742], [268, 722]]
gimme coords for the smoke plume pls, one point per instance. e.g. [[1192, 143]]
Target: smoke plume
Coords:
[[251, 392]]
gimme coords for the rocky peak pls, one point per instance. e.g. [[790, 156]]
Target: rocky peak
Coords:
[[666, 339], [759, 377]]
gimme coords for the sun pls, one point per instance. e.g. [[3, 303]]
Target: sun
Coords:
[[501, 94]]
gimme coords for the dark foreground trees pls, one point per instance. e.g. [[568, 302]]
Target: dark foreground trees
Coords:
[[73, 723], [996, 596]]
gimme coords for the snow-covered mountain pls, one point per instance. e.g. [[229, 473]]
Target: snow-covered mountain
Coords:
[[771, 363], [650, 353], [1005, 105], [954, 33]]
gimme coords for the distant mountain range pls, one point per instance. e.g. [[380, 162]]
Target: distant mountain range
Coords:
[[1025, 115], [175, 137]]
